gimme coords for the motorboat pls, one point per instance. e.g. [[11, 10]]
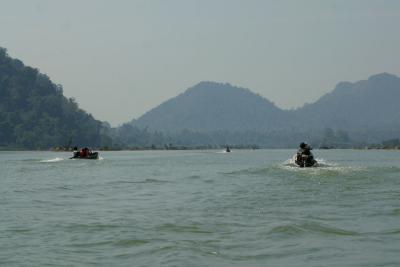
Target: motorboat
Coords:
[[85, 153]]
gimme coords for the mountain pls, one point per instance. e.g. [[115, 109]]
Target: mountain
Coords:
[[34, 114], [210, 106], [363, 111], [368, 104]]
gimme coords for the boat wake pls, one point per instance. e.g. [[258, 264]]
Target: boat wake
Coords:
[[322, 167], [51, 160], [321, 163]]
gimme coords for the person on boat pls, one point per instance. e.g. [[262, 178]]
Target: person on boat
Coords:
[[87, 151], [228, 149], [304, 149], [84, 152], [304, 157], [75, 152]]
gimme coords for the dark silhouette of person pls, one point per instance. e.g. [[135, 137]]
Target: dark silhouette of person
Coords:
[[304, 157]]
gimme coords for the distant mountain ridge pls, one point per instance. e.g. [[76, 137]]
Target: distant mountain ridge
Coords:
[[34, 114], [210, 106], [367, 105]]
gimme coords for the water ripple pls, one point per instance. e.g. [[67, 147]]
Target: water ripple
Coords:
[[169, 227], [297, 229]]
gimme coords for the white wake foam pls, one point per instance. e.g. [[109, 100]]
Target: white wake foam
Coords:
[[321, 163], [52, 160]]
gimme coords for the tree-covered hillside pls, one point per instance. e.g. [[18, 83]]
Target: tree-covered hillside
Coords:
[[34, 114], [352, 114], [210, 106], [366, 104]]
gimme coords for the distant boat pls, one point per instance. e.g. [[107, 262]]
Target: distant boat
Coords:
[[85, 153], [228, 149], [304, 157], [305, 160]]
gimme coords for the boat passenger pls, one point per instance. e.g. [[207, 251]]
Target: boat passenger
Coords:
[[304, 149], [304, 157], [76, 152]]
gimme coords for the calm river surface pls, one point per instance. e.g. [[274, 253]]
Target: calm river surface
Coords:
[[200, 208]]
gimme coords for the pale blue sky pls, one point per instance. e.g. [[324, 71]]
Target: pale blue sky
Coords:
[[121, 58]]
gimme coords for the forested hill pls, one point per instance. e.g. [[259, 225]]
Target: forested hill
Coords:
[[371, 104], [34, 114], [364, 111], [364, 106], [210, 106]]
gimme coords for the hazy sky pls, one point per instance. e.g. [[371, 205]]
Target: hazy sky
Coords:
[[120, 58]]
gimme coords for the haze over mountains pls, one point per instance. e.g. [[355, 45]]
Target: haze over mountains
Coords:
[[367, 105], [34, 114], [210, 106]]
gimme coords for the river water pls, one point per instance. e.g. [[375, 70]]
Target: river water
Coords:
[[200, 208]]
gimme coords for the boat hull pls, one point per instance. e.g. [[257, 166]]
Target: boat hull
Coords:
[[94, 155], [305, 161]]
